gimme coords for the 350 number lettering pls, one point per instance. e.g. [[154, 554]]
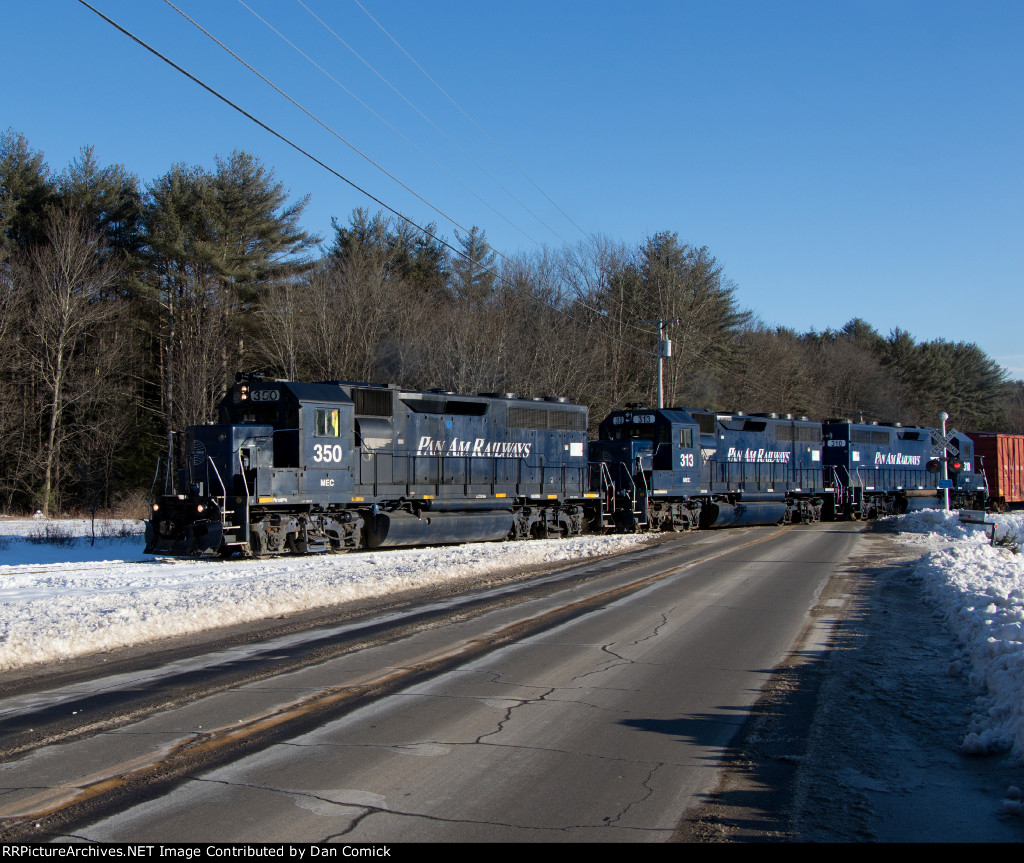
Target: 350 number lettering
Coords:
[[323, 452]]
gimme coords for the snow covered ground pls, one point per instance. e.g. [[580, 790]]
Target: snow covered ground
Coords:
[[63, 600], [73, 597], [977, 591]]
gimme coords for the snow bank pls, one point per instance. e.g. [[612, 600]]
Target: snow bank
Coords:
[[979, 593], [83, 603]]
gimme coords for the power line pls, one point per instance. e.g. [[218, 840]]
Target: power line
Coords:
[[313, 117], [434, 125], [439, 240], [471, 120], [704, 357], [624, 315], [340, 138], [404, 137]]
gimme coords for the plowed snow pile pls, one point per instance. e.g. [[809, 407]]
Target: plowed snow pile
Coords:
[[63, 600], [979, 594]]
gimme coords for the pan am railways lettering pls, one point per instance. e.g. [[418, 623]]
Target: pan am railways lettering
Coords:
[[896, 458], [757, 455], [479, 448]]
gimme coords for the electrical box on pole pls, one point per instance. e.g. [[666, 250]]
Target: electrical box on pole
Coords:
[[664, 350]]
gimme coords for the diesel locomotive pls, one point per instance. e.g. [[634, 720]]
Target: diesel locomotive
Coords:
[[340, 465], [680, 469]]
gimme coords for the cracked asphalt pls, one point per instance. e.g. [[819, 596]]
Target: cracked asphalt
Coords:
[[608, 726], [863, 744]]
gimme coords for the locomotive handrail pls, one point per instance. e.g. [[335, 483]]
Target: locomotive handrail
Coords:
[[156, 476], [647, 490], [245, 487], [607, 483], [223, 488], [624, 469]]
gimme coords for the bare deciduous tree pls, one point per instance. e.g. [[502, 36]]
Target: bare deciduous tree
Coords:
[[64, 280]]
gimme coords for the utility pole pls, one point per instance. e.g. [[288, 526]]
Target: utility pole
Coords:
[[943, 416], [664, 350]]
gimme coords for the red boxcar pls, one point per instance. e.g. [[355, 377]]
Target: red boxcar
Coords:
[[1003, 459]]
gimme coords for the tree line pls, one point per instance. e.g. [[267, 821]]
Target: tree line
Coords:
[[126, 308]]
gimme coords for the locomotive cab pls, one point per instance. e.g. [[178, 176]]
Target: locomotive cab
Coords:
[[650, 457], [280, 446]]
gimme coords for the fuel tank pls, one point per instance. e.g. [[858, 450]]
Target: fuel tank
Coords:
[[746, 513], [387, 529]]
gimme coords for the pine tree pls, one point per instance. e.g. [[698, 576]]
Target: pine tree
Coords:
[[111, 202], [472, 273], [215, 242], [26, 194]]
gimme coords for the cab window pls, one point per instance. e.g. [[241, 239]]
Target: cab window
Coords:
[[325, 423]]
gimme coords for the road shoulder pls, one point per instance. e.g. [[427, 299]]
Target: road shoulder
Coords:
[[861, 742]]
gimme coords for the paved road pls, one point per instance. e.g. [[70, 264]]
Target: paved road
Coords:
[[594, 712]]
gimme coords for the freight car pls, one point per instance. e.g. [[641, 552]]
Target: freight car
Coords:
[[331, 466], [1002, 458]]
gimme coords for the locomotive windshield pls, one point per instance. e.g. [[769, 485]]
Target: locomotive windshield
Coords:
[[259, 405], [658, 434], [251, 413]]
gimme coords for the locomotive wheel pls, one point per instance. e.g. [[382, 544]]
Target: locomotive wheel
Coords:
[[255, 544]]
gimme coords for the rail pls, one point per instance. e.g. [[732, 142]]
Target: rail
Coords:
[[837, 483], [608, 487]]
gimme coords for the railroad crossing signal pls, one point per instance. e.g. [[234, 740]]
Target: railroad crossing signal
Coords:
[[941, 447], [942, 444]]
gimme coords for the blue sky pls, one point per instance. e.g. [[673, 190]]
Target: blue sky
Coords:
[[840, 159]]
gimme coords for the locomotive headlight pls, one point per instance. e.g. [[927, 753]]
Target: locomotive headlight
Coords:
[[200, 508], [156, 506]]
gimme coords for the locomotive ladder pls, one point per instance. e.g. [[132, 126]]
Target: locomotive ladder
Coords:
[[612, 494], [839, 493], [609, 495], [857, 500], [225, 527], [637, 512]]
